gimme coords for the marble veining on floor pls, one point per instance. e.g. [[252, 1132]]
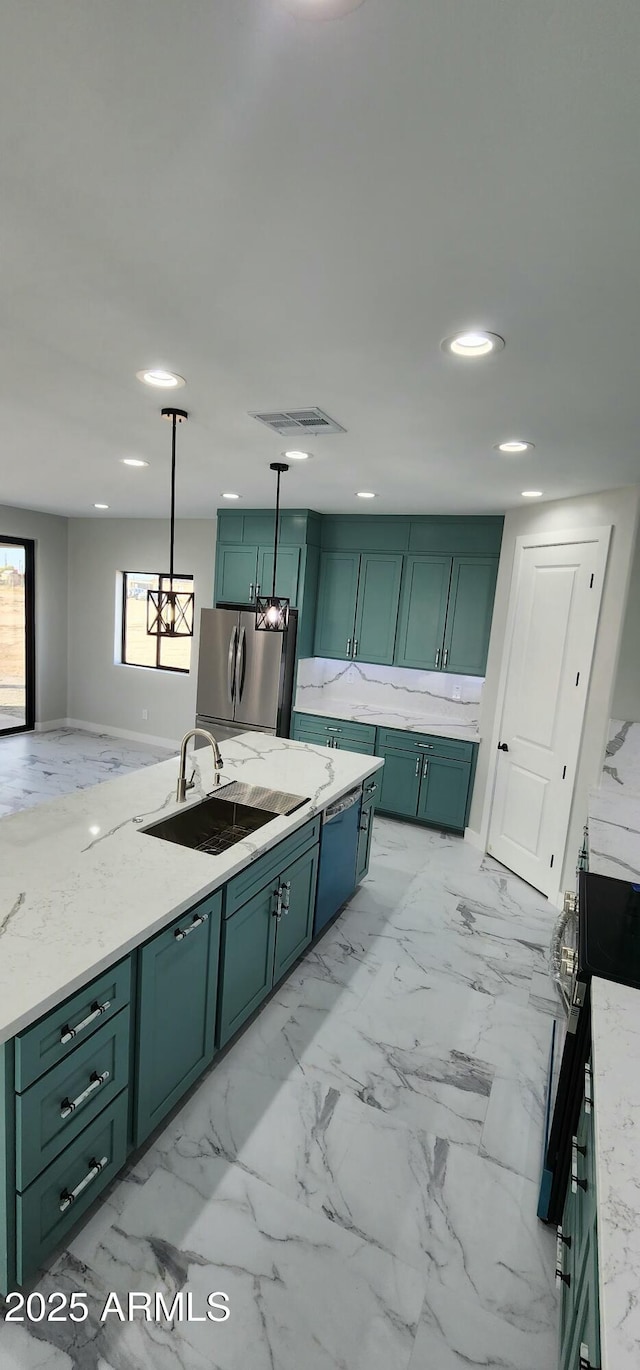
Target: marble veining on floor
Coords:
[[359, 1173]]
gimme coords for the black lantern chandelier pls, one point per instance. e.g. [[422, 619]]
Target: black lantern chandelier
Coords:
[[170, 612], [272, 611]]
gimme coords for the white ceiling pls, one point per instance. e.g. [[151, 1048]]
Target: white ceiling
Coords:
[[295, 213]]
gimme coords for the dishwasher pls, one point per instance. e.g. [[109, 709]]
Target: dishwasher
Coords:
[[338, 855]]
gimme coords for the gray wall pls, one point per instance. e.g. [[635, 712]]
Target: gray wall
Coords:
[[626, 694], [102, 691], [50, 535], [618, 508]]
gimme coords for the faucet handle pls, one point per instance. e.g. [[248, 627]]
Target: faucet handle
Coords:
[[191, 783]]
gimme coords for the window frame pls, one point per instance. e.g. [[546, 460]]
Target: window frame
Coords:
[[161, 577]]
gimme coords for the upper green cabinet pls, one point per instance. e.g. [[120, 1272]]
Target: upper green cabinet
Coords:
[[423, 612], [466, 636], [357, 611], [245, 572]]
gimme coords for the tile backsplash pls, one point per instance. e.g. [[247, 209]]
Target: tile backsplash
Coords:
[[433, 696]]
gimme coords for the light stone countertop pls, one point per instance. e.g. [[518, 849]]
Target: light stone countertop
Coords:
[[393, 718], [614, 833], [615, 1013], [80, 885]]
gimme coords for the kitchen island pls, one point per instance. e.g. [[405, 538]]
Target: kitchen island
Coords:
[[126, 962]]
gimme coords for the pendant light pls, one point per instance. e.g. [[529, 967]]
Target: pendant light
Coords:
[[272, 611], [170, 612]]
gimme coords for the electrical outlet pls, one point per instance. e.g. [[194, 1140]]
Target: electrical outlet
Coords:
[[145, 714], [457, 693]]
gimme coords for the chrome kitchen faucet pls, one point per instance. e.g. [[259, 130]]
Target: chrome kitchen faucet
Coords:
[[183, 783]]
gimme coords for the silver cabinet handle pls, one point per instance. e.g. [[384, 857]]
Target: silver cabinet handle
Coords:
[[68, 1106], [561, 1241], [426, 768], [426, 746], [199, 919], [364, 820], [588, 1088], [257, 589], [437, 658], [251, 590], [231, 675], [577, 1184], [286, 896], [355, 646], [418, 764], [349, 640], [370, 789], [68, 1196], [333, 730], [329, 742], [445, 657], [67, 1034], [277, 912], [584, 1363]]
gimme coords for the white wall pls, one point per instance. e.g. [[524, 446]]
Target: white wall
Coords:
[[50, 535], [101, 691], [626, 693], [620, 509]]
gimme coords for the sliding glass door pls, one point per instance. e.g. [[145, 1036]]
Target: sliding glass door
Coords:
[[17, 674]]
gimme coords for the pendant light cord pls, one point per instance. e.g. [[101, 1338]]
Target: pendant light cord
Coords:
[[275, 540], [173, 496]]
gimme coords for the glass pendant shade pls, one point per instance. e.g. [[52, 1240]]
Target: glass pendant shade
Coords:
[[272, 613], [170, 613]]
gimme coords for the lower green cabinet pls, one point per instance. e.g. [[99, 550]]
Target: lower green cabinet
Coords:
[[176, 1018], [365, 829], [444, 788], [577, 1254], [295, 924], [400, 782]]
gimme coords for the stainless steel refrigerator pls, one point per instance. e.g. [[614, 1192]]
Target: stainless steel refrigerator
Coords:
[[245, 678]]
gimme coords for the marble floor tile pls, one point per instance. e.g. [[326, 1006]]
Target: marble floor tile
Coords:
[[458, 1335], [513, 1126]]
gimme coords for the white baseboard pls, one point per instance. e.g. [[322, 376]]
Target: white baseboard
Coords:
[[172, 744], [473, 837], [50, 725]]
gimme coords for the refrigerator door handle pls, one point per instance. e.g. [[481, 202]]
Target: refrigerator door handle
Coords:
[[241, 664], [231, 673]]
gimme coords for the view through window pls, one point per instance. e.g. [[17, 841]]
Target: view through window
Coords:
[[13, 636], [138, 649]]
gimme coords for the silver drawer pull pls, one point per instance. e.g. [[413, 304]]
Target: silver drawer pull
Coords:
[[426, 746], [68, 1106], [370, 789], [577, 1184], [561, 1241], [181, 933], [67, 1034], [68, 1196], [588, 1088], [333, 730]]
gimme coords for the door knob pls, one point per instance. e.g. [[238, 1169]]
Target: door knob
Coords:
[[502, 747]]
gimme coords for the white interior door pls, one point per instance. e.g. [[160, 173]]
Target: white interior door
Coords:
[[553, 617]]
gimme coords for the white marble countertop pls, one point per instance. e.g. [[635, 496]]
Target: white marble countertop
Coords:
[[614, 833], [615, 1013], [393, 718], [80, 885]]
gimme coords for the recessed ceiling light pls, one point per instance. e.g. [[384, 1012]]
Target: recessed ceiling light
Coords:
[[133, 461], [517, 445], [365, 494], [228, 494], [101, 506], [531, 494], [474, 343], [162, 380], [320, 9], [297, 456]]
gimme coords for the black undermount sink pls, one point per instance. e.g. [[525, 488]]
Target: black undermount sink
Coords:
[[221, 820]]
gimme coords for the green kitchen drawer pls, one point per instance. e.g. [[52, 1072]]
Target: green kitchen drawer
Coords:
[[51, 1206], [336, 727], [243, 886], [453, 748], [64, 1101], [53, 1037]]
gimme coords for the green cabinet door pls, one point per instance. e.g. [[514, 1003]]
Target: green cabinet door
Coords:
[[298, 905], [336, 605], [236, 574], [287, 572], [580, 1344], [423, 612], [176, 1012], [400, 782], [377, 607], [444, 790], [365, 833], [466, 637], [248, 939]]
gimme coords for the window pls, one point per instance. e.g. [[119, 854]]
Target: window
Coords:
[[138, 648]]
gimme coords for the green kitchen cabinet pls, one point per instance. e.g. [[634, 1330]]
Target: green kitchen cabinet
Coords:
[[245, 571], [288, 570], [423, 612], [357, 613], [295, 922], [444, 788], [469, 613], [176, 1014], [248, 941], [400, 782], [336, 604], [345, 735], [365, 827]]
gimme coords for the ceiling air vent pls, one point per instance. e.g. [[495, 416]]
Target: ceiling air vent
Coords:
[[288, 422]]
